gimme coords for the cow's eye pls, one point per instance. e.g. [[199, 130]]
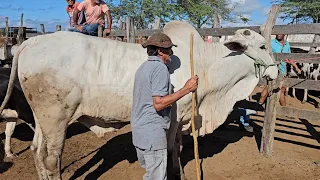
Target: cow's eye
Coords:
[[263, 47]]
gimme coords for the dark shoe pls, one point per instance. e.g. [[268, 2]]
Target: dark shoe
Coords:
[[262, 106], [248, 128]]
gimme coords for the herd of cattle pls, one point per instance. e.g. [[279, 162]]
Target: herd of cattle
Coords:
[[309, 71], [72, 98]]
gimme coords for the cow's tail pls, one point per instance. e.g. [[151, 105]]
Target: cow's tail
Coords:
[[13, 75]]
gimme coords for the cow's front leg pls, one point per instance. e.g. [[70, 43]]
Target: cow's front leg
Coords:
[[294, 92], [98, 128], [305, 96], [178, 150], [175, 168]]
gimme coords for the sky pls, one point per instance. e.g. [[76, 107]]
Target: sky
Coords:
[[52, 12]]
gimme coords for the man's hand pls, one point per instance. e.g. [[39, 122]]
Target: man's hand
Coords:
[[192, 84], [80, 28], [294, 64], [290, 61], [107, 32], [160, 103]]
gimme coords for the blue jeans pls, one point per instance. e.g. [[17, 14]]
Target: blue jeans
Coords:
[[244, 116], [89, 29], [155, 163]]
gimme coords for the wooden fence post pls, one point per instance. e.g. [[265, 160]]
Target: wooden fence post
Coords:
[[122, 27], [157, 23], [131, 38], [5, 45], [273, 88], [58, 28], [100, 31], [21, 32], [42, 29], [316, 39], [216, 24]]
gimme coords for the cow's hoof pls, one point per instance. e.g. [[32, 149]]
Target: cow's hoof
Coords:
[[303, 102], [317, 106], [11, 157]]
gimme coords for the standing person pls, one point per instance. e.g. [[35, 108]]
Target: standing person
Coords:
[[72, 5], [95, 11], [152, 97], [280, 45]]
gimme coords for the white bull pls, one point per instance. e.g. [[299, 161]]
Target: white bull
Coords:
[[69, 76]]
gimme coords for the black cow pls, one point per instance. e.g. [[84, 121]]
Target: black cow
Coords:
[[16, 108]]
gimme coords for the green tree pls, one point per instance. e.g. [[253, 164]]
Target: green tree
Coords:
[[145, 12], [197, 12], [301, 11], [244, 19], [209, 12]]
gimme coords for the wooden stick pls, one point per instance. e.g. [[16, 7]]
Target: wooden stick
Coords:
[[195, 140]]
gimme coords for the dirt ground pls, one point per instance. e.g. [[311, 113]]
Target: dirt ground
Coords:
[[228, 153]]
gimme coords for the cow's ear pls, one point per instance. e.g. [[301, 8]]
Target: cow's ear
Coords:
[[238, 45]]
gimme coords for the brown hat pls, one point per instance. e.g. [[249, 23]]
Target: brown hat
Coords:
[[159, 40]]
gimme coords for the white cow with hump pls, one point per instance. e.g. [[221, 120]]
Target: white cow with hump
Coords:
[[70, 76]]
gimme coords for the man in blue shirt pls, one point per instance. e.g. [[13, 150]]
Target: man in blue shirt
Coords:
[[280, 45], [152, 97]]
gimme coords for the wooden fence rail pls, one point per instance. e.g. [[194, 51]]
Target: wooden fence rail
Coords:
[[229, 31], [299, 57], [302, 84], [300, 113], [304, 44]]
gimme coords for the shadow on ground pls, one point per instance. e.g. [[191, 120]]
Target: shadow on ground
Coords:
[[116, 150]]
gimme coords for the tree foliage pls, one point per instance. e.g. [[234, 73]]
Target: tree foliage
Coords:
[[301, 11], [197, 12], [144, 12], [201, 12]]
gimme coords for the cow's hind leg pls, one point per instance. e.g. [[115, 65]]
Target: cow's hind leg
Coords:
[[10, 126], [55, 136], [38, 148], [11, 117], [39, 153]]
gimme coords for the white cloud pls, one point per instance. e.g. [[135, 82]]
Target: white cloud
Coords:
[[246, 6]]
